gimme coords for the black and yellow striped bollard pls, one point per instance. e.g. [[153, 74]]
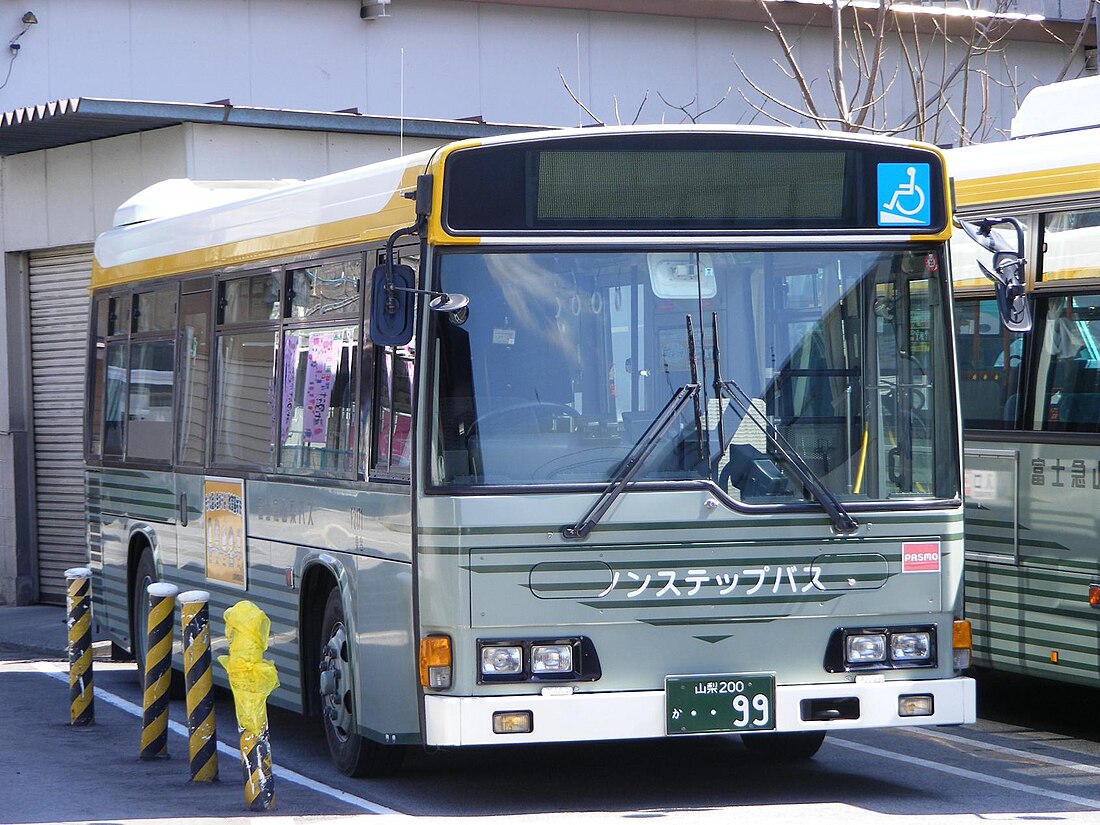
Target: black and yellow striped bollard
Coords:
[[199, 680], [252, 678], [81, 690], [158, 671], [259, 779]]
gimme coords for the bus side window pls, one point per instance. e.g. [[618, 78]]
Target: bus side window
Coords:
[[97, 366], [391, 416], [194, 342], [393, 411], [1069, 365], [990, 360], [318, 410]]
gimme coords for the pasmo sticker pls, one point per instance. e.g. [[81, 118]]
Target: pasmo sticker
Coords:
[[920, 557]]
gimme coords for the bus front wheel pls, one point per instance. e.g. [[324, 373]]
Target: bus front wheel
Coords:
[[788, 746], [353, 753]]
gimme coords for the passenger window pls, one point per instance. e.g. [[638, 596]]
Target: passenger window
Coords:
[[132, 362], [1069, 245], [155, 311], [392, 419], [326, 290], [244, 432], [1069, 365], [115, 406], [250, 299], [990, 360], [194, 376], [97, 364], [149, 404], [393, 403], [318, 409]]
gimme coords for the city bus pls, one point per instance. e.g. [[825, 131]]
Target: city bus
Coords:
[[1031, 399], [575, 436]]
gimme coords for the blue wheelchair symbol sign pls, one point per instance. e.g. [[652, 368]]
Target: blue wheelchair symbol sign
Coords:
[[903, 190]]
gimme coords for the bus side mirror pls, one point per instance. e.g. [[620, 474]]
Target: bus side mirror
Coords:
[[1008, 269], [391, 305], [1011, 296]]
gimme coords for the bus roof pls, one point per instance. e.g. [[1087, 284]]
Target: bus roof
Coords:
[[1059, 107], [189, 226], [241, 221], [1053, 153]]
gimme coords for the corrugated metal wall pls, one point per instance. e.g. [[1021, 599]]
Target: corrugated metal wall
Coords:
[[59, 281]]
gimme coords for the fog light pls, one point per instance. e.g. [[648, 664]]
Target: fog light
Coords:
[[513, 721], [919, 705], [910, 646], [866, 648], [501, 660], [551, 658]]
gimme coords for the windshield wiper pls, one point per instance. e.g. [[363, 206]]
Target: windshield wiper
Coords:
[[842, 520], [633, 462]]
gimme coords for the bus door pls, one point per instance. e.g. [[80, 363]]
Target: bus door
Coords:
[[990, 359]]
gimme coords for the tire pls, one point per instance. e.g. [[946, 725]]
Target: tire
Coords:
[[354, 754], [784, 746], [145, 573]]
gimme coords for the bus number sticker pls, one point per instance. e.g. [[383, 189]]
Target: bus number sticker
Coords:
[[920, 557], [223, 508]]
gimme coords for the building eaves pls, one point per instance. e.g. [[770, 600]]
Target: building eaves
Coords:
[[80, 119]]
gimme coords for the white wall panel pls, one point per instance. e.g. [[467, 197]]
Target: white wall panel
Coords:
[[69, 195], [629, 56], [200, 50], [522, 50], [23, 188], [441, 63]]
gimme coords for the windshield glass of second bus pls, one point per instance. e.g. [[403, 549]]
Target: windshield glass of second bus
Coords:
[[565, 358]]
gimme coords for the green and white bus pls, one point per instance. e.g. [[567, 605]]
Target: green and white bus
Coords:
[[1031, 400], [583, 435]]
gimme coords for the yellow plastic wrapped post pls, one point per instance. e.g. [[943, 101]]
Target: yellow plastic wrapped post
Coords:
[[251, 678]]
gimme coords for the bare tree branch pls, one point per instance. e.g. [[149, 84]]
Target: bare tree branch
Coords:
[[880, 31], [1086, 19], [577, 100], [694, 118], [788, 55]]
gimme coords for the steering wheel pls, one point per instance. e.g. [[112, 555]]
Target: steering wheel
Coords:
[[524, 417]]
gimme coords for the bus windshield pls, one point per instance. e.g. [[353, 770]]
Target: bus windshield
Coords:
[[564, 359]]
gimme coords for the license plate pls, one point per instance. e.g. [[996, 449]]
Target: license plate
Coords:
[[720, 704]]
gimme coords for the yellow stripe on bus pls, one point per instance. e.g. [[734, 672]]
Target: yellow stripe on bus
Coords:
[[1021, 186]]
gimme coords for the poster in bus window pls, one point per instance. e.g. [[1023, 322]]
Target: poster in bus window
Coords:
[[321, 366], [223, 510]]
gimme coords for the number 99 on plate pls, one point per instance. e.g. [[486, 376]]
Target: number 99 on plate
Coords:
[[735, 703]]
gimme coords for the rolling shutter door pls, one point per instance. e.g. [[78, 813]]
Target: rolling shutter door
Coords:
[[59, 280]]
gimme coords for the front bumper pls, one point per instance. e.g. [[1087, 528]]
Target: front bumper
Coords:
[[591, 717]]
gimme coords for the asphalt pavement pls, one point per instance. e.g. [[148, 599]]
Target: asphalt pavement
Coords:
[[53, 772]]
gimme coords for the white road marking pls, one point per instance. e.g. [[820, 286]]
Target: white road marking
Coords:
[[957, 772], [60, 672], [1029, 756]]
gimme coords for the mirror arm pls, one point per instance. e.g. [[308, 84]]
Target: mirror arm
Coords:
[[423, 197], [391, 290]]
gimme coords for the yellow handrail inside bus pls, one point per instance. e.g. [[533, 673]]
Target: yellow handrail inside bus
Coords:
[[862, 462]]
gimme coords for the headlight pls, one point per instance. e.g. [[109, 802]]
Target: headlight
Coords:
[[906, 647], [866, 648], [551, 658], [501, 660]]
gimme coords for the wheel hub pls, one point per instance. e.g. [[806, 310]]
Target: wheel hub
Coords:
[[335, 683]]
